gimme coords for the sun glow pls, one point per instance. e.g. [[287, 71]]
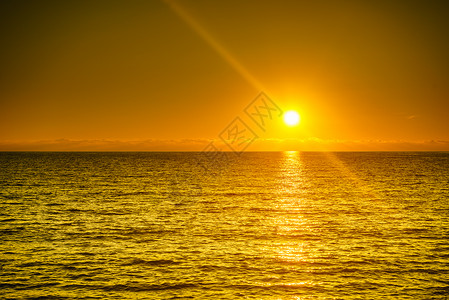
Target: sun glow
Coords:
[[291, 118]]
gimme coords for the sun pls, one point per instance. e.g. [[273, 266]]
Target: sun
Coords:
[[291, 118]]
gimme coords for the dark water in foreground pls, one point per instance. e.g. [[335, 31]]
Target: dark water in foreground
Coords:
[[263, 226]]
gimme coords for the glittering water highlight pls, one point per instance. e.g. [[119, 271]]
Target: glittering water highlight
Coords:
[[279, 225]]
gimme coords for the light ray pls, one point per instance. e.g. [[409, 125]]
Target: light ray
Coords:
[[193, 24], [344, 169]]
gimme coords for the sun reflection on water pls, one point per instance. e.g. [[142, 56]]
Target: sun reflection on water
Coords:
[[289, 220], [290, 176]]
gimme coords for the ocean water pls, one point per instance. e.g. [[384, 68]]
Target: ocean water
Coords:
[[272, 225]]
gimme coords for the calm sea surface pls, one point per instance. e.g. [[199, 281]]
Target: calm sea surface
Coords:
[[280, 225]]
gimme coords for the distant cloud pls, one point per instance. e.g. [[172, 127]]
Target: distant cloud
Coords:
[[105, 145], [316, 144], [308, 144]]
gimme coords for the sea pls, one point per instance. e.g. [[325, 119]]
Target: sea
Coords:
[[224, 225]]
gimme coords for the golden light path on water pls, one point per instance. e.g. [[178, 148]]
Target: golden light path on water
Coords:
[[290, 218], [292, 181]]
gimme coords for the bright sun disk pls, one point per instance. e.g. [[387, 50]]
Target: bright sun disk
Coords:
[[291, 118]]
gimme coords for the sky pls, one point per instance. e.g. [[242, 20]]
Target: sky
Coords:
[[177, 75]]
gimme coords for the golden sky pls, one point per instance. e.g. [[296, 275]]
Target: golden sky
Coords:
[[172, 75]]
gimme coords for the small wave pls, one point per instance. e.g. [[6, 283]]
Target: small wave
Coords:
[[55, 204], [13, 203], [113, 213], [11, 231], [213, 268], [87, 253], [77, 210], [265, 209], [8, 220], [146, 231], [240, 194], [120, 194], [31, 264], [158, 262], [148, 287], [74, 210], [6, 285], [49, 297], [39, 285]]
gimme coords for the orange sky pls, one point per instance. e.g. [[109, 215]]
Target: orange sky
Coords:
[[171, 75]]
